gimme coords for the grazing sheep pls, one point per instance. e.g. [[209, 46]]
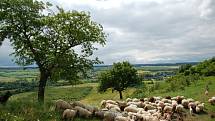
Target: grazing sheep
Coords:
[[5, 97], [100, 114], [212, 100], [192, 104], [157, 98], [179, 108], [190, 100], [167, 116], [122, 105], [200, 107], [185, 103], [174, 103], [142, 99], [167, 109], [62, 105], [149, 107], [198, 110], [78, 103], [152, 111], [131, 109], [152, 99], [138, 104], [92, 109], [102, 104], [121, 118], [110, 106], [206, 92], [128, 100], [179, 99], [174, 98], [168, 97], [164, 100], [69, 114], [111, 102], [197, 102], [83, 112], [161, 104], [109, 116], [146, 99], [135, 100], [115, 109]]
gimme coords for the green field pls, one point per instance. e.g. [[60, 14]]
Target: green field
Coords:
[[13, 75], [24, 107]]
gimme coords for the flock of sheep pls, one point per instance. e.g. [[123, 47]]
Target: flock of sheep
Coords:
[[146, 109]]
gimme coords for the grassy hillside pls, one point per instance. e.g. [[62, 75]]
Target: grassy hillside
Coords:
[[24, 107], [196, 92]]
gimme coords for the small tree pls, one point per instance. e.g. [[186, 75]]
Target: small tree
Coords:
[[47, 38], [119, 77]]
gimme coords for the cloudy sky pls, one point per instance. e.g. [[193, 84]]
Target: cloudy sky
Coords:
[[147, 31]]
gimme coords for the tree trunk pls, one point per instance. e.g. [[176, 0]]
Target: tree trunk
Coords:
[[42, 85], [120, 94]]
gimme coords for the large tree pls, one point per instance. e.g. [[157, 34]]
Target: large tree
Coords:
[[119, 77], [60, 42]]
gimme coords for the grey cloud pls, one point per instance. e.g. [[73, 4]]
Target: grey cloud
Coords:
[[154, 31]]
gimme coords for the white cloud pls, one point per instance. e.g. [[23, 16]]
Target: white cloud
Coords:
[[207, 9], [151, 31]]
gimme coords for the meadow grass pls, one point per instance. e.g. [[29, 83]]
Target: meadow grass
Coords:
[[24, 106]]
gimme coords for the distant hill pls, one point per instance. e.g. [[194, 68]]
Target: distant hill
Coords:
[[157, 64], [101, 66]]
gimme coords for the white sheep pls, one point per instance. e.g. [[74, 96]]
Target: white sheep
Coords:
[[149, 107], [179, 108], [92, 109], [109, 116], [100, 114], [103, 103], [128, 100], [206, 92], [161, 104], [174, 103], [167, 109], [62, 105], [135, 100], [212, 100], [185, 103], [69, 114], [111, 102], [152, 111], [131, 109], [190, 100], [112, 106], [121, 118], [78, 103], [200, 107], [83, 112]]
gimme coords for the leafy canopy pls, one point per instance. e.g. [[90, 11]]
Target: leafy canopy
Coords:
[[119, 77], [50, 39]]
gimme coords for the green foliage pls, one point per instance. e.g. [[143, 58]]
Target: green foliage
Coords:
[[205, 68], [119, 77], [180, 81], [18, 86], [184, 67], [49, 38]]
